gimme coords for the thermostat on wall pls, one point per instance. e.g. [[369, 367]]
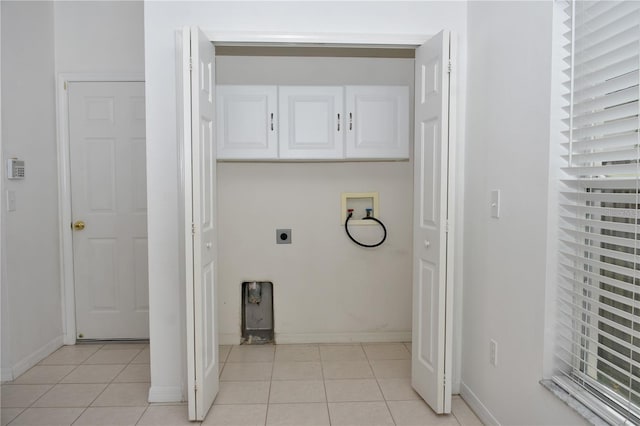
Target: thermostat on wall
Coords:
[[15, 169]]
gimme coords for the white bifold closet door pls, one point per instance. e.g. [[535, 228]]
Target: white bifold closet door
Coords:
[[432, 279], [432, 282], [200, 220]]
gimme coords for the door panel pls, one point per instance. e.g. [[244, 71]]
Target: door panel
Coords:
[[201, 227], [247, 122], [431, 357], [108, 194], [311, 122], [377, 122]]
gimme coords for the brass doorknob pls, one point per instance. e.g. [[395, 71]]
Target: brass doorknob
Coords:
[[78, 225]]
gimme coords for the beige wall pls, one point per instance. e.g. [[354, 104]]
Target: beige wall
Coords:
[[325, 287]]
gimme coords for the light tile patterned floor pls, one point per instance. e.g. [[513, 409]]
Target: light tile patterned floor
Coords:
[[353, 384]]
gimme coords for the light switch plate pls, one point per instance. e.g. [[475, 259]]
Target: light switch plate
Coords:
[[11, 200], [495, 203]]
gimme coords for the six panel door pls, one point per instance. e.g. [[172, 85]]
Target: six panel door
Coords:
[[109, 209]]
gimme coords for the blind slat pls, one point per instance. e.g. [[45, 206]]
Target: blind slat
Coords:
[[600, 278], [599, 292], [616, 112], [620, 97], [624, 125], [605, 197], [593, 250], [613, 169], [595, 223], [600, 156], [600, 211], [609, 142], [588, 26], [610, 71], [622, 38], [606, 87], [601, 320], [592, 63], [583, 184]]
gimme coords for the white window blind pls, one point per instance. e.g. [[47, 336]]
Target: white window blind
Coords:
[[599, 274]]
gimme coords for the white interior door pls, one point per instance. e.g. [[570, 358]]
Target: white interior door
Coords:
[[109, 209], [432, 284], [200, 214]]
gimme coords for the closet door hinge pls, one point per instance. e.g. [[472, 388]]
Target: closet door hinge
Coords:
[[195, 387], [449, 67], [193, 229], [190, 63]]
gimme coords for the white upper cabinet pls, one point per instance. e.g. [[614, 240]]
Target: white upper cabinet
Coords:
[[377, 125], [311, 122], [247, 122]]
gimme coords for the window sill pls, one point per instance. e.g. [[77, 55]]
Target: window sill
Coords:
[[588, 407]]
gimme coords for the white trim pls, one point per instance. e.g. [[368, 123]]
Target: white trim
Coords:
[[165, 394], [229, 338], [299, 338], [407, 41], [451, 269], [67, 291], [477, 406], [11, 373], [359, 337], [5, 374]]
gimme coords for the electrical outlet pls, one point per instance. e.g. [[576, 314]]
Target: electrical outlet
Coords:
[[493, 352], [283, 236]]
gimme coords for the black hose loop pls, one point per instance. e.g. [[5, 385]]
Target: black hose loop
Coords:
[[384, 228]]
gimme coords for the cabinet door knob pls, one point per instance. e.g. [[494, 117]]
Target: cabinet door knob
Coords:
[[78, 225]]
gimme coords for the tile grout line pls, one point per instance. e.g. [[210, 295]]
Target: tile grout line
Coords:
[[54, 384], [59, 382], [109, 383], [273, 362], [386, 403], [324, 386]]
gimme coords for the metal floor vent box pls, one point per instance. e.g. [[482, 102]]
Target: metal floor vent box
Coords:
[[257, 312]]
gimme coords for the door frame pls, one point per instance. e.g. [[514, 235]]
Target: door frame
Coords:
[[454, 178], [67, 284]]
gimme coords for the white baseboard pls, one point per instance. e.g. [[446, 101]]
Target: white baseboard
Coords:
[[5, 374], [166, 394], [229, 338], [359, 337], [477, 406], [11, 373]]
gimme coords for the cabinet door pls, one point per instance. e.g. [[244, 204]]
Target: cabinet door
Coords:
[[377, 122], [247, 122], [311, 122]]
